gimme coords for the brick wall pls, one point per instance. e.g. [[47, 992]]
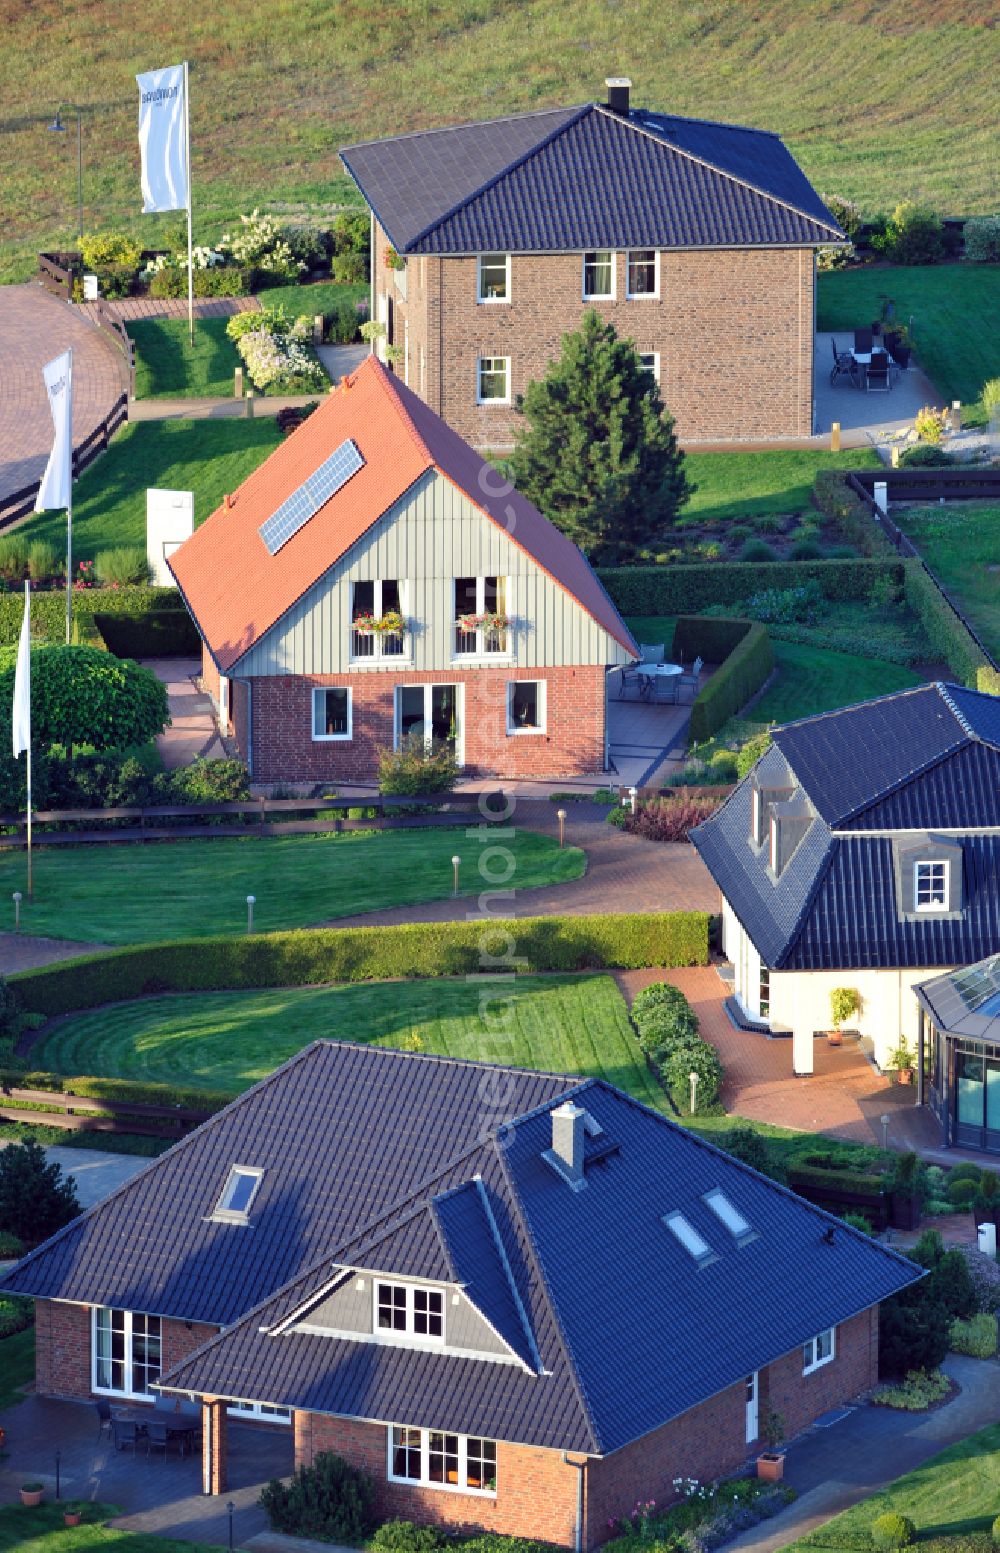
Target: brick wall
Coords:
[[801, 1398], [536, 1491], [62, 1347], [733, 329], [284, 750]]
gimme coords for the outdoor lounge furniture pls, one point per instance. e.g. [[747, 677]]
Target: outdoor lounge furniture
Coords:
[[654, 677], [691, 680], [651, 653], [862, 341], [843, 362], [125, 1433], [877, 373]]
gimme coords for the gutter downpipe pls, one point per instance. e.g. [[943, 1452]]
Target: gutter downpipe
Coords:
[[581, 1467]]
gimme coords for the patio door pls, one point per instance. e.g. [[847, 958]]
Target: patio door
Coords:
[[753, 1407], [433, 713]]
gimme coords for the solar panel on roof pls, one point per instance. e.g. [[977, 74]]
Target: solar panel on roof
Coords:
[[311, 495]]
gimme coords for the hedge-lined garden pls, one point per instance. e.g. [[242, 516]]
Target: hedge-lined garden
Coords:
[[679, 590], [745, 661]]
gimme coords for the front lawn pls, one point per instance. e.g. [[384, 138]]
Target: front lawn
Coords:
[[17, 1368], [168, 367], [956, 313], [955, 1494], [961, 545], [43, 1530], [809, 680], [322, 296], [230, 1040], [109, 500], [137, 893], [746, 485]]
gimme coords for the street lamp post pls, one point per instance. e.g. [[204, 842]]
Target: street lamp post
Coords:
[[59, 128]]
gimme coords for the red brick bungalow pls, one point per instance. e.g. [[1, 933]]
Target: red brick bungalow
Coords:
[[375, 580], [521, 1301]]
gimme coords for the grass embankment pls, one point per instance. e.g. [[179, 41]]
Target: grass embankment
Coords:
[[747, 485], [877, 102], [109, 499], [194, 889], [961, 545], [42, 1530], [956, 313], [167, 366], [228, 1041]]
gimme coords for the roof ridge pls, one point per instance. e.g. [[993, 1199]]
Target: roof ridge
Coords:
[[697, 118], [852, 706], [387, 382], [448, 129]]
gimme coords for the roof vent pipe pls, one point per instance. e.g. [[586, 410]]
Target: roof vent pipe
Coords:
[[567, 1141], [618, 87]]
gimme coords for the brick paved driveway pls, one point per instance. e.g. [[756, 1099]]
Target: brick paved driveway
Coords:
[[34, 327]]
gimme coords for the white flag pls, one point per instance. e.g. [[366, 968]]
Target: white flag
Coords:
[[22, 684], [163, 139], [57, 481]]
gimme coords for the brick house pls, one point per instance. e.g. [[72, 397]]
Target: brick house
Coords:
[[374, 515], [862, 851], [521, 1301], [695, 239]]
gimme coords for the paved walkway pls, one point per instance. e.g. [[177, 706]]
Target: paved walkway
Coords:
[[215, 409], [96, 1173], [25, 952], [193, 731], [129, 308], [34, 327]]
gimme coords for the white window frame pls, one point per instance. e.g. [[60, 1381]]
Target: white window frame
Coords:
[[113, 1391], [378, 608], [237, 1215], [599, 296], [812, 1359], [654, 356], [424, 1480], [931, 863], [756, 816], [773, 845], [492, 301], [332, 738], [256, 1411], [643, 296], [428, 689], [410, 1290], [506, 656], [480, 360], [518, 730]]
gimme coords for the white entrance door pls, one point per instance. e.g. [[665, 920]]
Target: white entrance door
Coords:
[[752, 1410], [433, 713]]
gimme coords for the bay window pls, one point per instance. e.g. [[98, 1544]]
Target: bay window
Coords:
[[125, 1352], [437, 1459]]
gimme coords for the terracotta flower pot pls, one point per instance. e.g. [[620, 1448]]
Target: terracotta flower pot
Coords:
[[31, 1497], [905, 1075], [72, 1517], [834, 1038], [771, 1466]]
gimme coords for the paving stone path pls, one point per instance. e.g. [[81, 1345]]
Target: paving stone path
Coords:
[[34, 327]]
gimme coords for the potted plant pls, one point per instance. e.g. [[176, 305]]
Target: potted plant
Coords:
[[73, 1513], [904, 1193], [844, 1001], [31, 1494], [771, 1463], [900, 1062], [898, 343], [393, 260]]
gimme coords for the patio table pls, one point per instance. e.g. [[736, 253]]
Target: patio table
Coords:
[[180, 1425], [652, 674]]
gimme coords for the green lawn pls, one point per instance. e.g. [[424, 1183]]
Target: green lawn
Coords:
[[744, 485], [961, 545], [17, 1368], [229, 1040], [320, 297], [109, 500], [953, 1494], [956, 313], [167, 367], [813, 679], [192, 889], [42, 1530]]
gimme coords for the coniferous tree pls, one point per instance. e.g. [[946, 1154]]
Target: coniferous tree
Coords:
[[596, 450]]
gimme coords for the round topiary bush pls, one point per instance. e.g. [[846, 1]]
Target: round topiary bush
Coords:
[[757, 550], [665, 1004], [961, 1193], [891, 1530], [966, 1171]]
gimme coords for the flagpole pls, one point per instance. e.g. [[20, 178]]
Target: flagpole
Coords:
[[187, 158], [27, 609], [69, 545]]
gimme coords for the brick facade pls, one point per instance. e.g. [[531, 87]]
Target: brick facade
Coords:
[[733, 329], [62, 1347]]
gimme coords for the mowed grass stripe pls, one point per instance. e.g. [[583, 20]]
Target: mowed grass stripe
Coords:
[[230, 1040]]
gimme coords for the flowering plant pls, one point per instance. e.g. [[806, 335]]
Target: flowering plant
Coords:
[[393, 260], [391, 623], [489, 620], [261, 242], [276, 361]]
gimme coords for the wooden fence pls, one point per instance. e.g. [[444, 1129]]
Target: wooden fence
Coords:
[[58, 1108], [19, 503], [55, 277], [954, 482], [255, 817]]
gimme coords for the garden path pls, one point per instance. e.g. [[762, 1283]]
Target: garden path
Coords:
[[25, 952], [192, 732]]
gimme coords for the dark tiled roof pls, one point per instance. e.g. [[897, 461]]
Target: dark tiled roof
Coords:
[[630, 1330], [588, 179], [959, 790], [479, 1262], [150, 1246]]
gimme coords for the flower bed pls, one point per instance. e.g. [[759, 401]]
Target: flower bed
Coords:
[[276, 351], [707, 1516]]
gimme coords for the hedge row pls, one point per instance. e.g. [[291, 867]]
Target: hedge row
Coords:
[[740, 675], [946, 635], [123, 1091], [319, 955], [48, 610], [806, 1176], [680, 590], [158, 633], [851, 513], [710, 637]]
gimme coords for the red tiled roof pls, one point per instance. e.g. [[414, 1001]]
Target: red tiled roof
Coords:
[[236, 590]]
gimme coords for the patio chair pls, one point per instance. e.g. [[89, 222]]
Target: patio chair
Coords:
[[126, 1433], [650, 652], [877, 376], [863, 340], [691, 680], [103, 1407], [157, 1436], [843, 363]]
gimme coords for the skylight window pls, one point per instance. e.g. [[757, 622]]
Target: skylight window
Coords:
[[728, 1214], [238, 1193], [685, 1232]]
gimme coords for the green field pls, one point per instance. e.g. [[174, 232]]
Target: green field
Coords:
[[954, 1494], [744, 485], [956, 313], [961, 545], [167, 367], [812, 679], [193, 889], [109, 499], [17, 1366], [229, 1040], [42, 1530], [878, 101]]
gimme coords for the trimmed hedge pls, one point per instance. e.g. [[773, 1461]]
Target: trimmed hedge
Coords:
[[746, 668], [158, 633], [947, 636], [852, 515], [48, 611], [414, 949], [710, 637], [124, 1091], [681, 590], [806, 1176]]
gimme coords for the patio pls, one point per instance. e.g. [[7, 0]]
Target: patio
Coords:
[[157, 1495], [863, 415], [644, 734]]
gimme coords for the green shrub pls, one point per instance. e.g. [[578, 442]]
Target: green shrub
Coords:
[[682, 590], [48, 611], [413, 769], [990, 395], [159, 633], [806, 550], [749, 753], [946, 636], [975, 1335], [218, 281], [744, 1142], [723, 764], [127, 1091], [663, 1010], [757, 550], [404, 1537], [13, 558], [961, 1193], [892, 1530], [924, 455], [965, 1170], [124, 566], [168, 283], [35, 1198], [917, 1391], [802, 1176], [349, 269], [331, 1500], [747, 668], [10, 1246], [837, 500], [496, 1542], [43, 562], [995, 1532], [710, 637], [982, 239], [913, 235], [99, 250], [859, 1222], [313, 956]]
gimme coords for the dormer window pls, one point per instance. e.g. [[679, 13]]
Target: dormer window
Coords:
[[930, 886], [410, 1310], [238, 1193]]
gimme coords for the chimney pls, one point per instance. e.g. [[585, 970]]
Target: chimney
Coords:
[[227, 501], [618, 87], [567, 1142]]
